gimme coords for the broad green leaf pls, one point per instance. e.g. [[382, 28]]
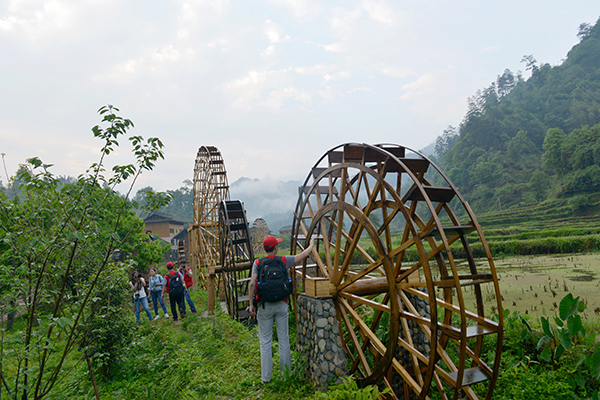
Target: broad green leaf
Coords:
[[565, 338], [79, 235], [575, 325], [546, 355], [526, 324], [590, 340], [559, 321], [542, 342], [594, 364], [547, 327], [558, 351], [568, 306]]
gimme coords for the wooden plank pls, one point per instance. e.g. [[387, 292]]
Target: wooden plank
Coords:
[[315, 236], [471, 376], [335, 157], [397, 151], [479, 330], [320, 189], [416, 165], [451, 231], [317, 171], [449, 283], [243, 314], [374, 155], [434, 193], [238, 227], [238, 266], [235, 242], [242, 299], [305, 215], [353, 152]]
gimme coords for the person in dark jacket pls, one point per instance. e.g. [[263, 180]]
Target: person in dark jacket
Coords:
[[176, 299]]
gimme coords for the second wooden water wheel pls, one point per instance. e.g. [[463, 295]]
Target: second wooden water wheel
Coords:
[[210, 189], [411, 315]]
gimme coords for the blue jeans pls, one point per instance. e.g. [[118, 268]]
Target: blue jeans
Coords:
[[156, 297], [144, 302], [278, 313], [189, 300]]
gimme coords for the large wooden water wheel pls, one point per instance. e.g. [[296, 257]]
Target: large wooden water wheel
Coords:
[[411, 316], [210, 189], [236, 257], [260, 231]]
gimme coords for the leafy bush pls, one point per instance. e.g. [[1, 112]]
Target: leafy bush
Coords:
[[110, 325], [561, 357], [349, 390], [579, 204]]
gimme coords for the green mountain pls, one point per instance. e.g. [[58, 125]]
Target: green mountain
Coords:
[[526, 141]]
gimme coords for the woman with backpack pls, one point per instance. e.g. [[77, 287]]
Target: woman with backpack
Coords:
[[138, 285], [156, 289]]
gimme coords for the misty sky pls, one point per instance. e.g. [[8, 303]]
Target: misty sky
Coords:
[[273, 84]]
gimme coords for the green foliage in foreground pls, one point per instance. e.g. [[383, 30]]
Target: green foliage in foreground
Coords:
[[58, 242], [554, 358], [214, 357]]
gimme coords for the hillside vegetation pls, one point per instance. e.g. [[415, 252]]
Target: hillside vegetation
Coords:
[[524, 142]]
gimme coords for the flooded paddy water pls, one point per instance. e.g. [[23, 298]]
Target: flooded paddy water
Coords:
[[534, 285]]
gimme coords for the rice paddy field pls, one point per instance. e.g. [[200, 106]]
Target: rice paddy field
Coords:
[[534, 285]]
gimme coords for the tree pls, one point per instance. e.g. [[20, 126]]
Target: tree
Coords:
[[522, 152], [60, 239], [585, 30], [445, 141], [538, 185], [505, 83], [530, 64], [553, 157]]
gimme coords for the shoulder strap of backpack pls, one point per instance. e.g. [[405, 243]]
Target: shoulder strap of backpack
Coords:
[[260, 265]]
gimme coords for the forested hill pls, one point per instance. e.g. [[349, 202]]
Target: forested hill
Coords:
[[525, 141]]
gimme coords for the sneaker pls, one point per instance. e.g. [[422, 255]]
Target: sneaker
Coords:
[[193, 312], [157, 317], [166, 315]]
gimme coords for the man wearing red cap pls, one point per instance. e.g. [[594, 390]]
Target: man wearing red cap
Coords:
[[273, 311], [176, 299]]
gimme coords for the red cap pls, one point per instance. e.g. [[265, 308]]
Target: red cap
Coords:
[[271, 241], [170, 264]]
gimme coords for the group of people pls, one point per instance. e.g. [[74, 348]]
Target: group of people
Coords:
[[269, 308], [158, 285]]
